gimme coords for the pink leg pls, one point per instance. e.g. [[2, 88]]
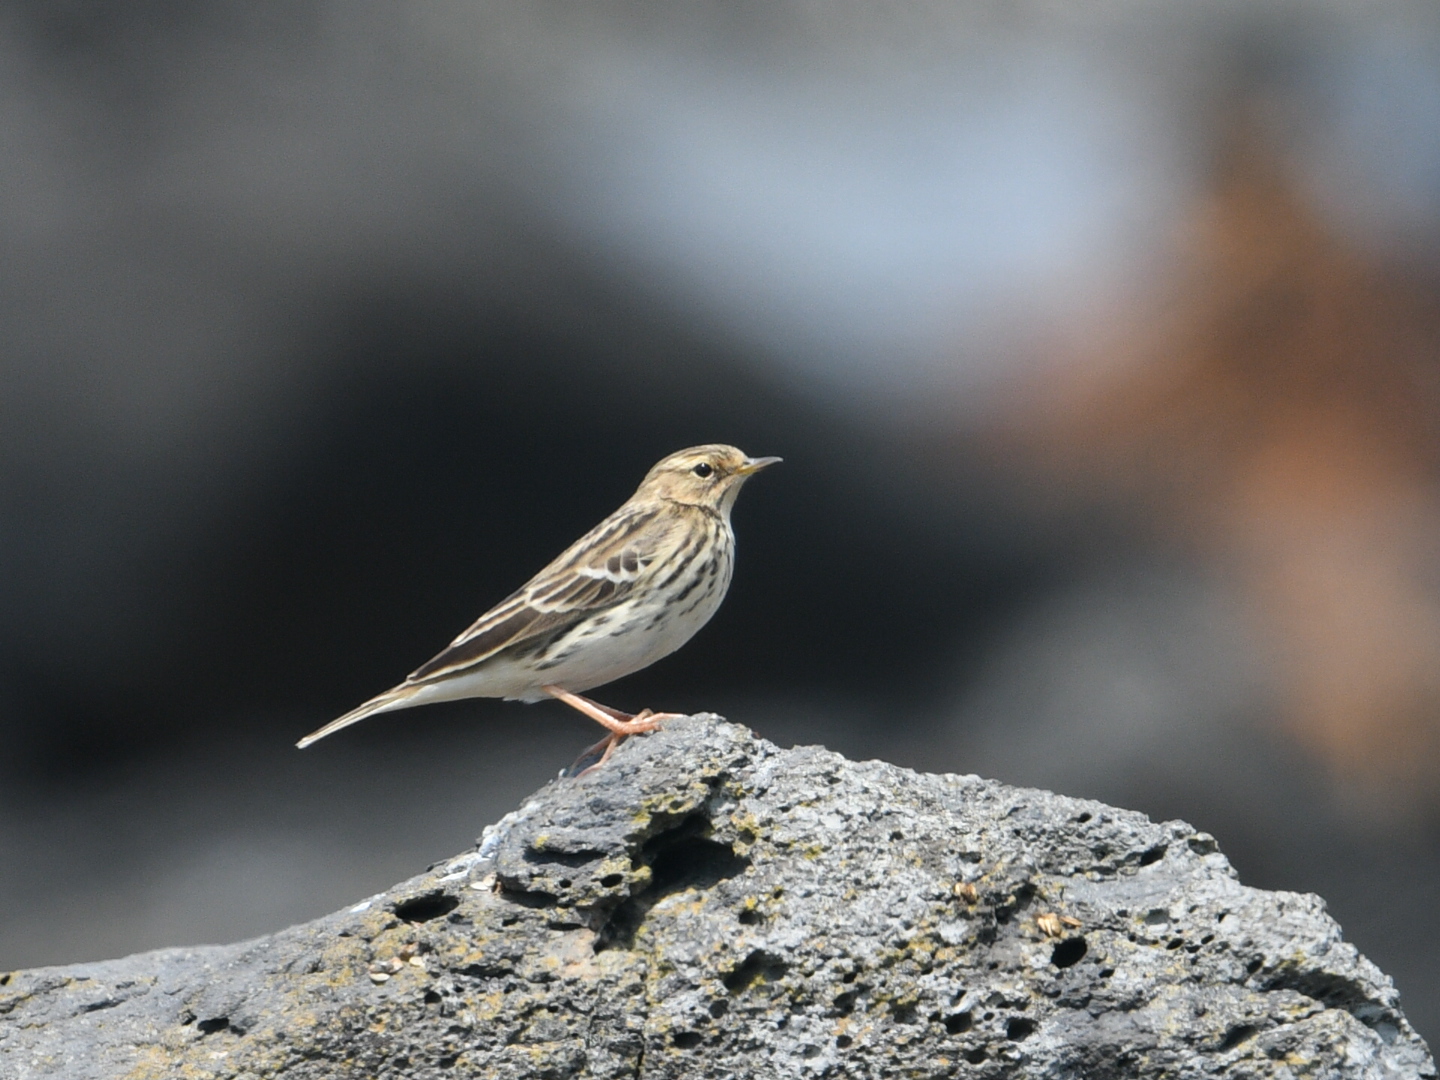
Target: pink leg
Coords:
[[617, 722], [606, 744]]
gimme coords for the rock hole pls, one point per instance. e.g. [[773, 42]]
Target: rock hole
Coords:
[[849, 976], [1174, 943], [897, 835], [490, 970], [961, 1021], [1083, 818], [609, 881], [1335, 991], [845, 1002], [1020, 899], [843, 1042], [976, 1056], [1154, 855], [431, 998], [810, 1051], [424, 908], [1019, 1027], [750, 916], [1207, 939], [209, 1027], [688, 1040], [1069, 952], [1105, 973], [1253, 966], [759, 967], [1237, 1035], [535, 899], [904, 1014], [680, 858], [5, 979], [719, 1008]]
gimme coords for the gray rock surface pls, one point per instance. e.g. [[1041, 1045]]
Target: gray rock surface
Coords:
[[708, 905]]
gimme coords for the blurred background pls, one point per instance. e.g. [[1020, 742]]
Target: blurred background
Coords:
[[1102, 345]]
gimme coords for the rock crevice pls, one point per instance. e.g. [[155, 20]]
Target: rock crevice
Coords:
[[709, 905]]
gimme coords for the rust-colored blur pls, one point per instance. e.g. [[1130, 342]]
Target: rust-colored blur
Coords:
[[1277, 413]]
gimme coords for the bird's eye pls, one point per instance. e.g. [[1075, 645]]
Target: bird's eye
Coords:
[[702, 470]]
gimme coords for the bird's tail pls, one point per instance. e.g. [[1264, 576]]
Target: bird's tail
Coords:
[[401, 697]]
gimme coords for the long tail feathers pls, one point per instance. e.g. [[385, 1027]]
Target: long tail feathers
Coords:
[[398, 698]]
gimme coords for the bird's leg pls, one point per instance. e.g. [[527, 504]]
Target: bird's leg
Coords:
[[613, 713], [595, 756], [620, 723]]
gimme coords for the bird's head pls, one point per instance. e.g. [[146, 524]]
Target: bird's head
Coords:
[[707, 476]]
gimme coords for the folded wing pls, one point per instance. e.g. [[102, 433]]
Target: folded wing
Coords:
[[598, 572]]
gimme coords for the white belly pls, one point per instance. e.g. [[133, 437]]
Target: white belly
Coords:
[[625, 642], [592, 655], [612, 644]]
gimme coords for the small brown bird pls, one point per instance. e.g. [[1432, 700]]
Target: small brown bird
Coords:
[[631, 590]]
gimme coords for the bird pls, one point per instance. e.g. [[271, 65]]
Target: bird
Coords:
[[632, 590]]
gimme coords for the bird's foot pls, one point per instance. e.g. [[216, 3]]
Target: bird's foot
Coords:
[[645, 720], [593, 757], [619, 724]]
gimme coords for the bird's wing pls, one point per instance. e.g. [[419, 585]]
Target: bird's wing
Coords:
[[598, 571]]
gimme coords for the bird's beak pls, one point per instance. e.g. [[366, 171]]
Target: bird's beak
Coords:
[[754, 465]]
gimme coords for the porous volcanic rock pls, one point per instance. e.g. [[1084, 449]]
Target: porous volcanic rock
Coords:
[[709, 905]]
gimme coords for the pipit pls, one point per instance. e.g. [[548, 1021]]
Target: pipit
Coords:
[[630, 591]]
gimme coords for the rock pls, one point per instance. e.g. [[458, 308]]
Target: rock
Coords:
[[708, 905]]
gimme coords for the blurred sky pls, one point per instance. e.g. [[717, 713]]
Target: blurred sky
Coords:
[[323, 326]]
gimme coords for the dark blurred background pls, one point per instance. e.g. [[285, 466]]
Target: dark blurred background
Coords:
[[1102, 346]]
